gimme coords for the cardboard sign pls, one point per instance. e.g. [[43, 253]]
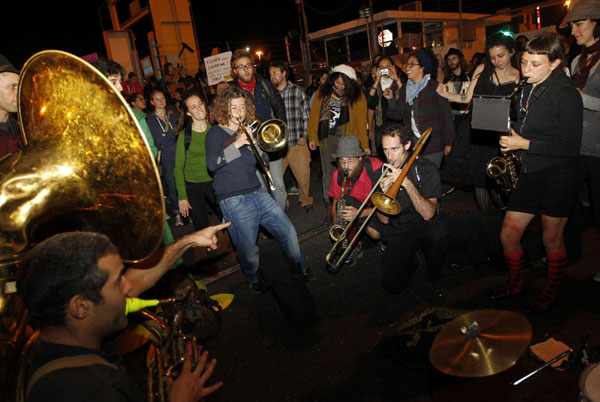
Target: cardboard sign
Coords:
[[218, 68]]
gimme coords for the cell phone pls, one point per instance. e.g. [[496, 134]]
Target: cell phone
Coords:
[[384, 71]]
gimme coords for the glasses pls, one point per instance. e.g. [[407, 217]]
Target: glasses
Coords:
[[348, 161], [411, 64], [244, 67]]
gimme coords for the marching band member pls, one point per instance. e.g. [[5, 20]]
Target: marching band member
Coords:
[[547, 139], [362, 173], [242, 200], [415, 227]]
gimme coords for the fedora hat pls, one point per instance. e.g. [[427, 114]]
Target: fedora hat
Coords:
[[348, 147]]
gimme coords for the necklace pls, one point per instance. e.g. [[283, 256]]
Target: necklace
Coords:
[[526, 107], [167, 125]]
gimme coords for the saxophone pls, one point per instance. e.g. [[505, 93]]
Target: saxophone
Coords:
[[505, 169], [336, 231]]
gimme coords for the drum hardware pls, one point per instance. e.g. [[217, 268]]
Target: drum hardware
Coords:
[[385, 203]]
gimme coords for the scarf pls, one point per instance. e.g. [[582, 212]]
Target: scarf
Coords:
[[249, 86], [581, 76], [413, 88]]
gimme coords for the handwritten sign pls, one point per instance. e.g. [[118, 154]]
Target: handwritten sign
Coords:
[[218, 68]]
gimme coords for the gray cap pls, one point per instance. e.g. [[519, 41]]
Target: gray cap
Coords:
[[348, 147], [6, 66], [582, 10]]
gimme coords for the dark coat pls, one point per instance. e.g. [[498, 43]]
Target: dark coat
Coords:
[[268, 101], [431, 110], [553, 122]]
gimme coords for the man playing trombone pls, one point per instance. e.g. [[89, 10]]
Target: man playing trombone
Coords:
[[416, 226], [242, 200], [356, 175]]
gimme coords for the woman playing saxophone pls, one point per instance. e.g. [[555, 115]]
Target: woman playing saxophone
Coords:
[[547, 140]]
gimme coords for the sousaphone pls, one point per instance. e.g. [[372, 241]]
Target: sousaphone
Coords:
[[86, 166]]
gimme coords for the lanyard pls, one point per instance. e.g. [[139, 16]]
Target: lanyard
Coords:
[[167, 125]]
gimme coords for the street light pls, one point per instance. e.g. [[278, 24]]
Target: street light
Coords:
[[259, 54]]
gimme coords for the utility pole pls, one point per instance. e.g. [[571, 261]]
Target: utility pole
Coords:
[[366, 13], [287, 49], [460, 26], [373, 31], [304, 41]]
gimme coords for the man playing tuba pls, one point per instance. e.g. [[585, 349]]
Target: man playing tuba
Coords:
[[74, 285]]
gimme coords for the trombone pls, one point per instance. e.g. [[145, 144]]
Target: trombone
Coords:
[[384, 202], [271, 136]]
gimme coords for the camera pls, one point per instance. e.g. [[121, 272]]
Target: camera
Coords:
[[384, 71]]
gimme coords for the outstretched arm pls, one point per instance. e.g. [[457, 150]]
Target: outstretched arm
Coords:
[[143, 279], [462, 98]]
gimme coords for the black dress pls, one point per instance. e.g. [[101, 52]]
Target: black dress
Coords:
[[472, 149]]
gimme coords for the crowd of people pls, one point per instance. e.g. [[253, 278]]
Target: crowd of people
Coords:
[[364, 132]]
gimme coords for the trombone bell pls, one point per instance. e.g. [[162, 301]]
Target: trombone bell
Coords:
[[386, 204], [272, 135]]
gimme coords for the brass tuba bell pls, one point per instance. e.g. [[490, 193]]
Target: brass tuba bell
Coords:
[[86, 166]]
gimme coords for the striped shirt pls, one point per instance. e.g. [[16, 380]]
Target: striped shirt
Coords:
[[296, 109]]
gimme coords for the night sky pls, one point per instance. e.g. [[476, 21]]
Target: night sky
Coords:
[[76, 26]]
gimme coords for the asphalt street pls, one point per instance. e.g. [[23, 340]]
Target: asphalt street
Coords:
[[352, 353]]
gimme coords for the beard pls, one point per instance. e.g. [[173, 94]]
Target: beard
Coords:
[[453, 66], [353, 173]]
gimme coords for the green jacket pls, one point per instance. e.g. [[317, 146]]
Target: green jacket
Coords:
[[141, 118], [190, 165]]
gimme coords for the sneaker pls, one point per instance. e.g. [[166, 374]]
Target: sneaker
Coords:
[[307, 207], [178, 220], [354, 255], [293, 191]]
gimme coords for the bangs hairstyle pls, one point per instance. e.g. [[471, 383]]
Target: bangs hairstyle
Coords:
[[548, 43], [222, 102]]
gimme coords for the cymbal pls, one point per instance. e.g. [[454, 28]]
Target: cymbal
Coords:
[[480, 343]]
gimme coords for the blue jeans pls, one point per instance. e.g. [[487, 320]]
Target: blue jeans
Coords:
[[246, 212]]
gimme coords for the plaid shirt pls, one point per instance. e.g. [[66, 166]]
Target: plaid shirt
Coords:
[[296, 109]]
